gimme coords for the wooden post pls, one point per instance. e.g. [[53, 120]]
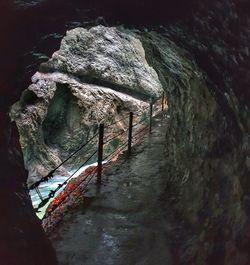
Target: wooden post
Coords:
[[163, 101], [100, 154], [130, 130], [150, 116]]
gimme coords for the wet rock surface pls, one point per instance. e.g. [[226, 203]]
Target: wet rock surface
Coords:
[[124, 223], [208, 139]]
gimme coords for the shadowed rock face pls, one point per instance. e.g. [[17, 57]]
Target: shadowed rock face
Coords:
[[208, 136], [218, 179], [22, 239]]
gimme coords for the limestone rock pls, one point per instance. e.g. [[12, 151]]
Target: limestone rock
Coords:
[[106, 56], [98, 75], [57, 114]]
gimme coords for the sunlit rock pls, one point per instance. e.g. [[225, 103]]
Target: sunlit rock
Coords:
[[97, 76], [106, 56]]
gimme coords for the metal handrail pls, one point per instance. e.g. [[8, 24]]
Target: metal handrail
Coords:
[[97, 170]]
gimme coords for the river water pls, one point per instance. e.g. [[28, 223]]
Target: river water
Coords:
[[52, 184]]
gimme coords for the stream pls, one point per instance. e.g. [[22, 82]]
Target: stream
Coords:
[[53, 183]]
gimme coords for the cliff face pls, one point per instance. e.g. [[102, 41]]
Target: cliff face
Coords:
[[97, 76], [216, 215], [208, 137]]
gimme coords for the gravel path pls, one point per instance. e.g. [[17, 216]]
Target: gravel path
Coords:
[[123, 224]]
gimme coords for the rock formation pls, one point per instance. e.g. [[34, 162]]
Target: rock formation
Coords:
[[22, 239], [207, 140], [106, 56], [97, 76]]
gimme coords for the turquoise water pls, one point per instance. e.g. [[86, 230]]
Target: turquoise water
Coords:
[[52, 184]]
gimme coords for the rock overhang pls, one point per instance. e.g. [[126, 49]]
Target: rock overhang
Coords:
[[108, 57]]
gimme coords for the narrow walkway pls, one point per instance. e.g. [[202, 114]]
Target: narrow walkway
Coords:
[[124, 224]]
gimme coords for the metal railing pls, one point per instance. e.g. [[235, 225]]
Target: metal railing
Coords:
[[127, 143]]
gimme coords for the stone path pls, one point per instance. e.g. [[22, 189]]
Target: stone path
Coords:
[[123, 224]]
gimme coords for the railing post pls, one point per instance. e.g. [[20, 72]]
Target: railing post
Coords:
[[100, 154], [150, 115], [39, 193], [130, 129], [163, 101]]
